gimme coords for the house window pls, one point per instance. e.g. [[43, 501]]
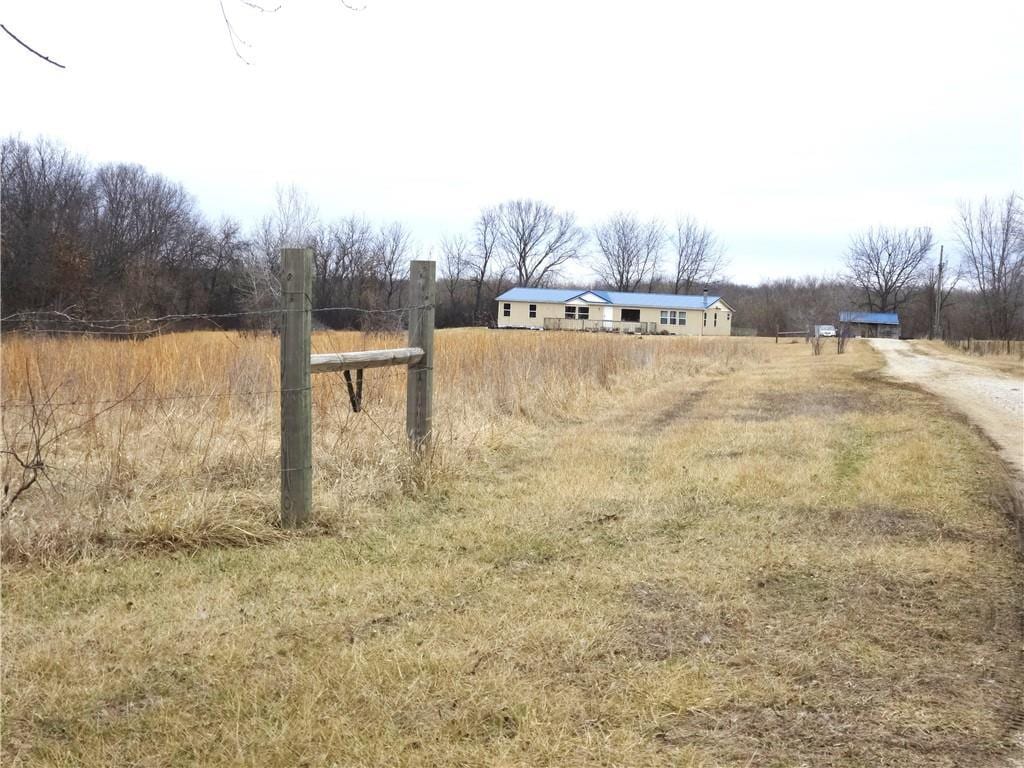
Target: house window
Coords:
[[664, 317], [705, 319], [716, 319], [682, 318], [583, 313], [506, 310], [631, 315], [570, 313], [728, 315], [533, 310]]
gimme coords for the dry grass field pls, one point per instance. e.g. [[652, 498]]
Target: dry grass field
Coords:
[[172, 442], [622, 552]]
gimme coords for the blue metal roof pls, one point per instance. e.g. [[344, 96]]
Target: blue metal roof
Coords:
[[553, 295], [659, 300], [876, 318], [653, 300]]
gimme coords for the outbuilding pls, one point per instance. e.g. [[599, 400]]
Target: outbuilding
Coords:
[[614, 311], [872, 325]]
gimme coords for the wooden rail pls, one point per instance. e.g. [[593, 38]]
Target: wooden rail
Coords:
[[353, 361]]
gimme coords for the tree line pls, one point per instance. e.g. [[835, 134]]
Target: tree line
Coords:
[[116, 240]]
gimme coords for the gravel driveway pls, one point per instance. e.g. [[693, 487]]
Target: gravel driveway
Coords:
[[993, 401]]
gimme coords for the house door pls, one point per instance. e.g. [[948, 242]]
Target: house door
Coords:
[[607, 318]]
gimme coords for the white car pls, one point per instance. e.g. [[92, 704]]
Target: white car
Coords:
[[826, 330]]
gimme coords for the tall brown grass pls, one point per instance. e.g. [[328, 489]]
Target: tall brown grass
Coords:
[[172, 441], [985, 347]]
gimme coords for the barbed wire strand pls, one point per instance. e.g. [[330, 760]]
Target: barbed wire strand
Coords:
[[122, 322], [393, 373], [128, 400]]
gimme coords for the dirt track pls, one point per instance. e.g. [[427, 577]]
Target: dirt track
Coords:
[[993, 401]]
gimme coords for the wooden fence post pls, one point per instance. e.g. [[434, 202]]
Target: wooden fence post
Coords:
[[296, 389], [420, 388]]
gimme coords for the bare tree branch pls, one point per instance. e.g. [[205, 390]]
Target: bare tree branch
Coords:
[[887, 265], [699, 257], [233, 36], [536, 240], [29, 48], [628, 251], [991, 241]]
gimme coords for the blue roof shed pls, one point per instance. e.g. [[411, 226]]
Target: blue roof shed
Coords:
[[872, 318]]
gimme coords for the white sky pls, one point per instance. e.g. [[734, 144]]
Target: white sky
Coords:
[[785, 126]]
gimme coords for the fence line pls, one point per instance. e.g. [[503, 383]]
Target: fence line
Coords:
[[129, 400], [296, 366], [122, 322], [983, 347]]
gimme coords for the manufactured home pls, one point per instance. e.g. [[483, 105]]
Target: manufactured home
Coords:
[[614, 311]]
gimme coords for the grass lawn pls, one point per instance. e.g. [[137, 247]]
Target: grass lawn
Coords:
[[796, 563]]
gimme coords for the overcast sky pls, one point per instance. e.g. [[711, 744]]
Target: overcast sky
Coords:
[[785, 126]]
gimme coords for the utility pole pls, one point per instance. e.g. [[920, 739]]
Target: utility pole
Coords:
[[937, 320]]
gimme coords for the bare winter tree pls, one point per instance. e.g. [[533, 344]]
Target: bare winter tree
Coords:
[[351, 270], [391, 258], [699, 258], [46, 210], [535, 240], [292, 224], [455, 257], [886, 265], [482, 256], [628, 251], [991, 241]]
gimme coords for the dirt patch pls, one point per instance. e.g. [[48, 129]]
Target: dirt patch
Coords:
[[823, 736], [772, 406], [669, 621], [679, 409], [903, 614], [875, 522]]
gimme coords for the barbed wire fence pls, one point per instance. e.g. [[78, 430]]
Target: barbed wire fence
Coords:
[[21, 322], [42, 417]]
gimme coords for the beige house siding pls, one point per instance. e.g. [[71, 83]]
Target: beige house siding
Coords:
[[719, 317], [520, 314]]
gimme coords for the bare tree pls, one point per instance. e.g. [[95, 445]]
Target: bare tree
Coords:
[[628, 251], [391, 258], [483, 255], [886, 265], [992, 252], [45, 210], [535, 240], [224, 254], [455, 259], [699, 258]]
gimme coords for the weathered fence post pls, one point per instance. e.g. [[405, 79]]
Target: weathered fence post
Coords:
[[420, 388], [296, 389]]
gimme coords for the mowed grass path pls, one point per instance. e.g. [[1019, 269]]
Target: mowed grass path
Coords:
[[794, 564]]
